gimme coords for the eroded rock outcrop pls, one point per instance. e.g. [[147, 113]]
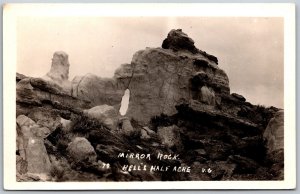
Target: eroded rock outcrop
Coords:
[[59, 72], [35, 92], [158, 79], [178, 40], [162, 79]]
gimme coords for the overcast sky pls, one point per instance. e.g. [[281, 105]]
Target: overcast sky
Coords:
[[250, 50]]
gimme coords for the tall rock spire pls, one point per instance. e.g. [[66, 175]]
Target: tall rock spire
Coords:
[[59, 72]]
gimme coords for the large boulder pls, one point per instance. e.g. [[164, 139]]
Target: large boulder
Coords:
[[105, 114], [59, 72], [178, 40], [81, 150], [274, 137], [126, 127], [274, 133], [31, 145]]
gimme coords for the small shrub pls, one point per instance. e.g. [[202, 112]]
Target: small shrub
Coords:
[[264, 114], [259, 114], [83, 124]]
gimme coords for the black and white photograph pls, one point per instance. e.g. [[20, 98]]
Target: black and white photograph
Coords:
[[145, 97]]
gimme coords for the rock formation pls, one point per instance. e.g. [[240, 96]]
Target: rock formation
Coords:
[[34, 93], [179, 104], [31, 146], [125, 126], [158, 79], [107, 115], [179, 41], [80, 149], [59, 72], [274, 136], [98, 90], [274, 133]]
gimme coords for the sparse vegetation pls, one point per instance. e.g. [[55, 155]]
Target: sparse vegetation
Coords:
[[259, 114], [83, 124]]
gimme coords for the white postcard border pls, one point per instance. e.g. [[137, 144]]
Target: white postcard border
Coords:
[[13, 11]]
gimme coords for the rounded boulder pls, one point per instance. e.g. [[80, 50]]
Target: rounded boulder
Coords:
[[81, 150]]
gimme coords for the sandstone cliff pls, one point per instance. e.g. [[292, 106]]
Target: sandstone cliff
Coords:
[[180, 103]]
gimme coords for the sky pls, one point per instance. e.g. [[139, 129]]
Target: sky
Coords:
[[249, 49]]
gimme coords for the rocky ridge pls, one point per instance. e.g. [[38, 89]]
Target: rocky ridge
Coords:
[[180, 103]]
